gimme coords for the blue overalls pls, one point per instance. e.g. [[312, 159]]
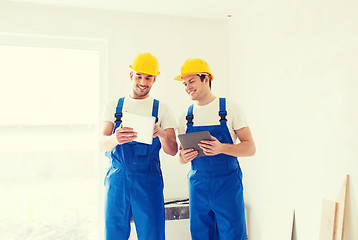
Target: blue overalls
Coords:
[[134, 187], [216, 204]]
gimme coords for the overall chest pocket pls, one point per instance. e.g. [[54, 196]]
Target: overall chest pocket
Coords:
[[217, 133], [221, 133], [141, 153]]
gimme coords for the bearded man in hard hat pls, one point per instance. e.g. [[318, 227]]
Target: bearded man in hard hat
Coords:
[[216, 202], [134, 184]]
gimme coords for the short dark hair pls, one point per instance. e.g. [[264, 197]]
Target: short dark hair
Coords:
[[202, 77]]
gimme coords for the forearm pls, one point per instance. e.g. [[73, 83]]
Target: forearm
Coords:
[[169, 144], [107, 143], [243, 149]]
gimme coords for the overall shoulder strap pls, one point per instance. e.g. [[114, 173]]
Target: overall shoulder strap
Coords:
[[222, 111], [190, 116], [155, 109], [118, 114]]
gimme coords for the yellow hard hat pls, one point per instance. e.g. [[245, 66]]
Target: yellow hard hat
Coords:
[[194, 65], [146, 63]]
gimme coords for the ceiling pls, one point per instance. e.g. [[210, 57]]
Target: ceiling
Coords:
[[215, 9]]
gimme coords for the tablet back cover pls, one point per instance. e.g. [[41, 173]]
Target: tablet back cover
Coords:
[[191, 140]]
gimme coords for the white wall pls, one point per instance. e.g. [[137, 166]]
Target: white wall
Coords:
[[171, 39], [293, 70]]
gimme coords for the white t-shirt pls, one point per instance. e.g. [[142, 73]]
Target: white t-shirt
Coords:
[[142, 107], [209, 115]]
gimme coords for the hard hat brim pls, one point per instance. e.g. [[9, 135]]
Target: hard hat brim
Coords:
[[157, 73], [179, 77]]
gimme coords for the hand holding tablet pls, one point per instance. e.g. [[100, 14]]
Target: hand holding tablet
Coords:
[[191, 140], [143, 125]]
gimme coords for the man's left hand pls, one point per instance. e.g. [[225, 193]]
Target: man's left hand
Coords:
[[211, 148], [158, 132]]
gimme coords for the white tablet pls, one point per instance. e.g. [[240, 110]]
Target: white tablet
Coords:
[[143, 125]]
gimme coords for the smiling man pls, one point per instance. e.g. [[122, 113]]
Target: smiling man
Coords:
[[216, 199], [134, 183]]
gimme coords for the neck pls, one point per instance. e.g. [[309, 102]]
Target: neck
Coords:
[[134, 96], [208, 98]]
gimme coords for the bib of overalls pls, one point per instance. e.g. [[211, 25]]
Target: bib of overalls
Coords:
[[135, 155], [220, 132]]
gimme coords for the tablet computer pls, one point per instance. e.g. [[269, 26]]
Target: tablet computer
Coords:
[[191, 140], [143, 125]]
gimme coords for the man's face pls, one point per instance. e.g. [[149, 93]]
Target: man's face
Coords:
[[142, 83], [194, 87]]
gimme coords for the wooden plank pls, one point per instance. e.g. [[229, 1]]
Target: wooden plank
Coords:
[[247, 230], [341, 200], [328, 220]]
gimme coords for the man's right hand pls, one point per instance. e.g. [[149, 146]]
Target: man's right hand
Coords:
[[187, 155], [124, 134]]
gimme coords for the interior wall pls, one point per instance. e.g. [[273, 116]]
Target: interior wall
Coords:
[[171, 39], [293, 71]]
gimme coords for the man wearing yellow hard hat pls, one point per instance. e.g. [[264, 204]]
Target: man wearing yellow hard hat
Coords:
[[216, 199], [134, 183]]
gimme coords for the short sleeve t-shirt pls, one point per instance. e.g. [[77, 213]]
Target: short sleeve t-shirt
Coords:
[[209, 115], [142, 107]]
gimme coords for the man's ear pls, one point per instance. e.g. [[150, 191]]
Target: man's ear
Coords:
[[155, 78], [131, 75], [207, 79]]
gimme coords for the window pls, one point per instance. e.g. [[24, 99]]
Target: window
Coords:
[[49, 177], [48, 86]]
